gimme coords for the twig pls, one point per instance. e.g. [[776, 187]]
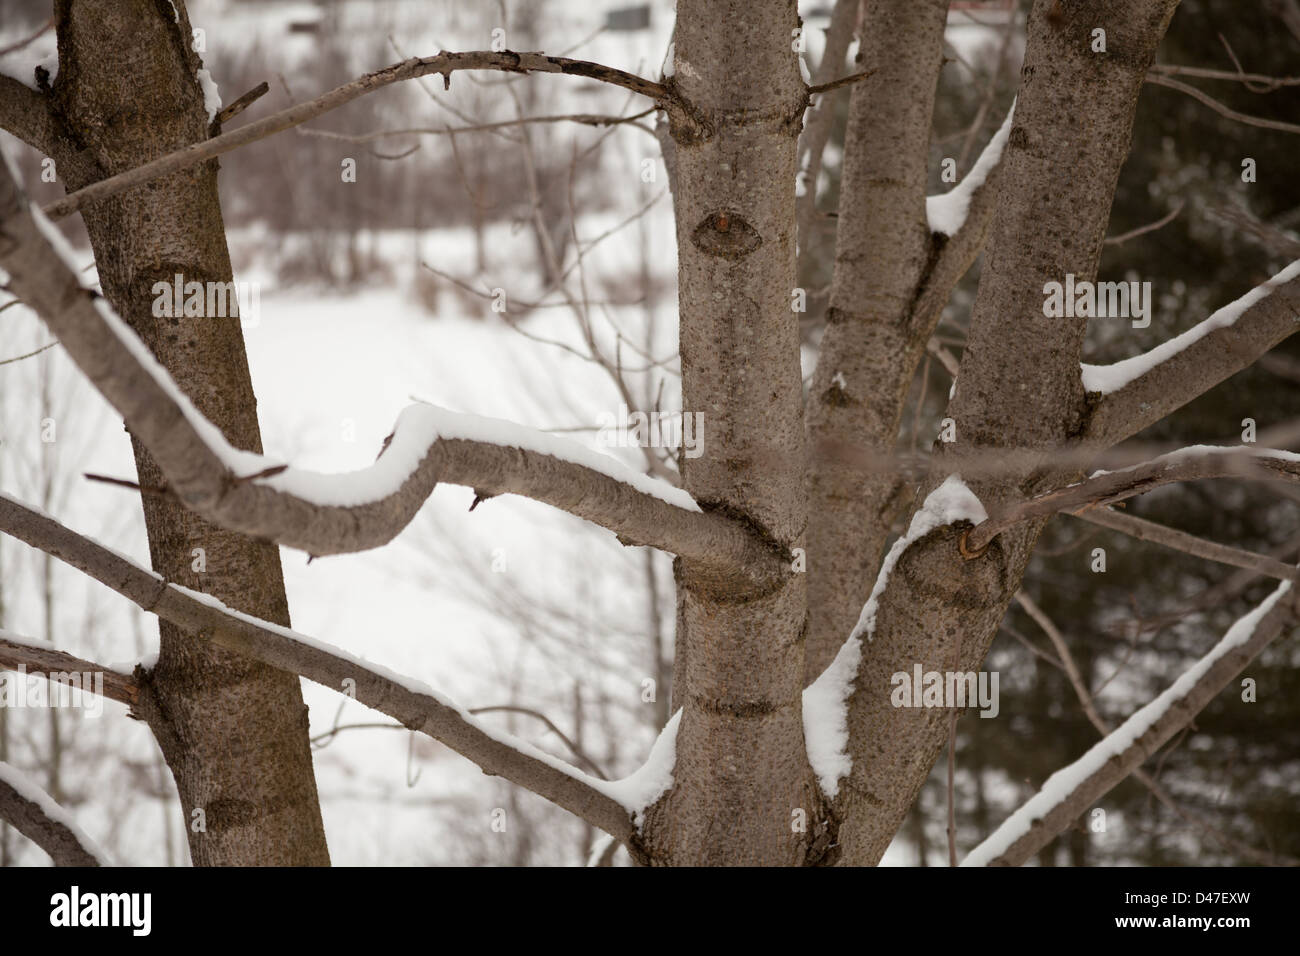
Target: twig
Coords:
[[243, 103], [1161, 80], [444, 63], [1143, 230]]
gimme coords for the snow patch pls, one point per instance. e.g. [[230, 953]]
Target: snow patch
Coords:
[[826, 700], [1111, 378], [211, 94], [947, 213]]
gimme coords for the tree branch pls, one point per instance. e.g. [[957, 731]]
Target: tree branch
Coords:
[[821, 116], [954, 253], [583, 119], [331, 514], [1144, 530], [1108, 487], [1160, 79], [444, 63], [32, 812], [1140, 391], [44, 661], [1071, 791], [25, 113], [414, 705], [1089, 706]]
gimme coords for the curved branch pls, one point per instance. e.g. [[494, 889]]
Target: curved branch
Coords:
[[32, 812], [607, 805], [1108, 487], [332, 514], [1069, 792], [444, 63], [1140, 391]]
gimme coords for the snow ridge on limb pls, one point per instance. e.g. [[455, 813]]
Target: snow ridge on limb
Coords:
[[826, 700], [1139, 391], [35, 815], [947, 212], [1068, 792], [331, 514], [615, 806]]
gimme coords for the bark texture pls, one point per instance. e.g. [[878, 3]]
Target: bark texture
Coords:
[[1018, 387], [233, 731], [741, 771], [871, 346]]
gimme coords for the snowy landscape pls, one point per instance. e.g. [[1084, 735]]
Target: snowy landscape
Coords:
[[497, 296]]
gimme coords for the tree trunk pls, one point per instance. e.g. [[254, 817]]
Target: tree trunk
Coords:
[[744, 792], [234, 732]]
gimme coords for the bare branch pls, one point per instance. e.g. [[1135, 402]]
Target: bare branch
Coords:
[[444, 63], [1268, 83], [1108, 487], [1144, 530], [1140, 391], [584, 119], [32, 812], [1159, 79], [1071, 791], [40, 659], [821, 115], [331, 514], [411, 703], [1143, 230], [243, 103]]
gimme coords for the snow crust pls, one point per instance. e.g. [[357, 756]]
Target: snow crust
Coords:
[[946, 213], [1111, 378], [826, 700], [1060, 784]]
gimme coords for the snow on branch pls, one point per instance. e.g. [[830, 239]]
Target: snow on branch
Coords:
[[1069, 792], [959, 220], [613, 806], [826, 700], [1140, 391], [444, 63], [336, 513], [1107, 487], [32, 812], [946, 213]]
